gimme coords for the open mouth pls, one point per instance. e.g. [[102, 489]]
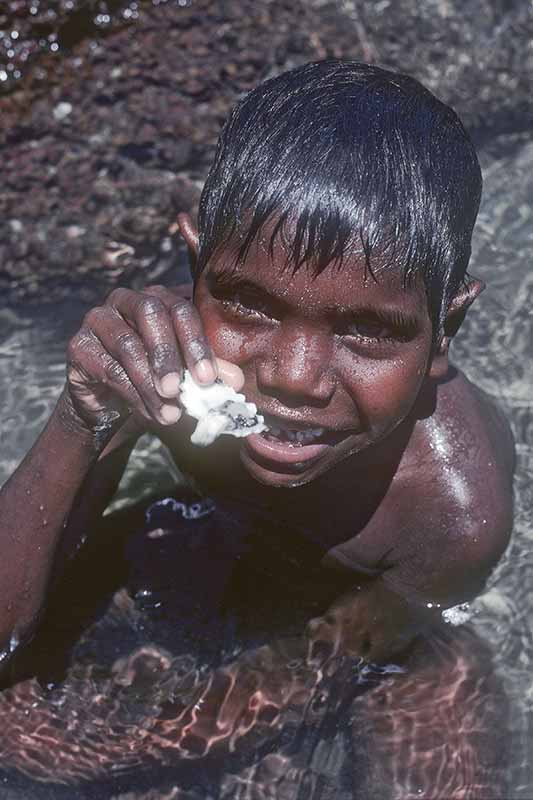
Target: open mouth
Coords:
[[289, 449], [280, 433]]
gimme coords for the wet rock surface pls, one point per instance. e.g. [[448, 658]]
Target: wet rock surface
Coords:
[[107, 136]]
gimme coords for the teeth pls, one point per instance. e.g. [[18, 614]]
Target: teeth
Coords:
[[296, 437]]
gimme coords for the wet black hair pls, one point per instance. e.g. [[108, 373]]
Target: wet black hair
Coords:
[[340, 156]]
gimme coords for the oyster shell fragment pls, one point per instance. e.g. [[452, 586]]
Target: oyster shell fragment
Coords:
[[219, 409]]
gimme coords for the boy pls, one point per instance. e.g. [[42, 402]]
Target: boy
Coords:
[[329, 272]]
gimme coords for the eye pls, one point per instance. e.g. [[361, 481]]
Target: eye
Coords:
[[369, 328], [372, 329], [376, 328], [245, 304]]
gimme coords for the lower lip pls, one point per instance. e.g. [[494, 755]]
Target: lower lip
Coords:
[[282, 452]]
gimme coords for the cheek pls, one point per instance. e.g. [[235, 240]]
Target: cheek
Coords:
[[384, 391], [239, 344]]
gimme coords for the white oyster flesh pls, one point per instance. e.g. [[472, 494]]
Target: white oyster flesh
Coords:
[[219, 409]]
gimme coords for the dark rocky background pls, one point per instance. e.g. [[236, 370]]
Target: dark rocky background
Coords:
[[110, 111]]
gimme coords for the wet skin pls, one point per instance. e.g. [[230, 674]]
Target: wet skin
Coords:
[[416, 460], [410, 478], [335, 351], [406, 495]]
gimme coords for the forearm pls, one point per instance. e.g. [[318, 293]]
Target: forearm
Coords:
[[373, 621], [34, 511], [96, 492]]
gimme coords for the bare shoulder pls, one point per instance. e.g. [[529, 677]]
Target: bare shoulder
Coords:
[[467, 444], [457, 475]]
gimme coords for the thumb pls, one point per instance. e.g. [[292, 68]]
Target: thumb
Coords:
[[230, 374]]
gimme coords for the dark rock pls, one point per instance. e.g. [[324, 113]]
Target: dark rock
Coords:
[[113, 132]]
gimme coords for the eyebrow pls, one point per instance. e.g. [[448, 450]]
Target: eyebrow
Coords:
[[225, 277]]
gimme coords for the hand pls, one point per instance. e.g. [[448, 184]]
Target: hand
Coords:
[[129, 356]]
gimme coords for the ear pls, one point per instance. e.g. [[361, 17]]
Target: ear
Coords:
[[453, 321], [189, 231]]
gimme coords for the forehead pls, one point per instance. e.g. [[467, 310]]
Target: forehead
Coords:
[[346, 285]]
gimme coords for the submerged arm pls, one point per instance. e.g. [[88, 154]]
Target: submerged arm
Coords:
[[60, 489]]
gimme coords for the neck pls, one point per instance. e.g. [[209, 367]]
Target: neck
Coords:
[[334, 506]]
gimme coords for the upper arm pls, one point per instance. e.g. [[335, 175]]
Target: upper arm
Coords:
[[438, 555], [381, 616], [445, 553]]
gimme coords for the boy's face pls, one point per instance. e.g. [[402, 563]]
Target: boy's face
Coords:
[[332, 360]]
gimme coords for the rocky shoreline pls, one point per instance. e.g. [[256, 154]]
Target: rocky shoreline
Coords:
[[106, 139]]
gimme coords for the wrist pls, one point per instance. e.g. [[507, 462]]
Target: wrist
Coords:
[[95, 435]]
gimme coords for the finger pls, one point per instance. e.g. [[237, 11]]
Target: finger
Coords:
[[150, 316], [227, 371], [90, 366], [189, 330], [127, 350], [230, 373], [193, 342]]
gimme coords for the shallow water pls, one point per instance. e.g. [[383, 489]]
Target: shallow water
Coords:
[[493, 348]]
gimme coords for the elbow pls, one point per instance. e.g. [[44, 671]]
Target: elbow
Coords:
[[12, 641]]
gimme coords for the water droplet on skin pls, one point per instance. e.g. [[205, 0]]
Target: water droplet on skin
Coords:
[[41, 508]]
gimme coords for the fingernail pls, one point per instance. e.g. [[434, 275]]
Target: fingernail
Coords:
[[204, 371], [170, 384], [230, 374], [170, 414]]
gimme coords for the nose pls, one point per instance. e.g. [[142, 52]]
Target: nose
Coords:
[[298, 369]]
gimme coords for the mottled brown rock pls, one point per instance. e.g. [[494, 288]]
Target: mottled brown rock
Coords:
[[113, 133]]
